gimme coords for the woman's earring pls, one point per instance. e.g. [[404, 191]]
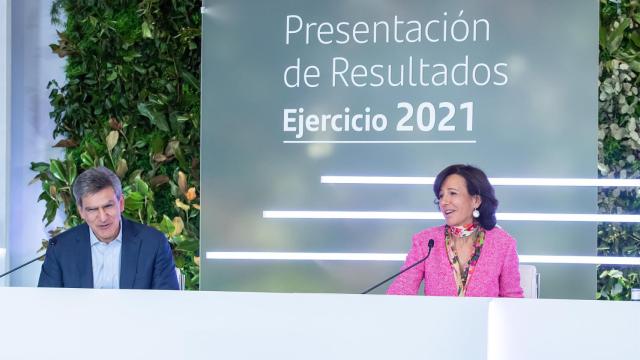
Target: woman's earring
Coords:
[[475, 213]]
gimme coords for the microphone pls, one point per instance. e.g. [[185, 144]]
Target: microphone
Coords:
[[21, 266], [52, 242], [430, 245]]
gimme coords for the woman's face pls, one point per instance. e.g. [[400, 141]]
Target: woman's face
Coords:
[[455, 202]]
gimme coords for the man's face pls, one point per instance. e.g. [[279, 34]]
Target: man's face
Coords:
[[102, 211]]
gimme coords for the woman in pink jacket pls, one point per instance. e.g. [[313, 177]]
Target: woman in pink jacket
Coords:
[[470, 255]]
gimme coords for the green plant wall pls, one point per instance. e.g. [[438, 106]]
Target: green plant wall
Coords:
[[619, 142], [131, 102]]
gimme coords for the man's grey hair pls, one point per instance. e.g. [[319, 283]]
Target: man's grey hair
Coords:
[[94, 180]]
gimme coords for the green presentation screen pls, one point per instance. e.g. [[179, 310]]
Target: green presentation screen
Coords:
[[305, 102]]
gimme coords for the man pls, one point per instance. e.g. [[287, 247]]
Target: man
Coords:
[[109, 251]]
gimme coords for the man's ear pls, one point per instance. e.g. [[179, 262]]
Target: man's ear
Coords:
[[80, 211], [121, 200]]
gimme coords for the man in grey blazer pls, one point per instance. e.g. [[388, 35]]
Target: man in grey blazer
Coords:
[[108, 251]]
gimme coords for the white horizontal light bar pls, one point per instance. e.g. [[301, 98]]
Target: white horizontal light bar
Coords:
[[568, 217], [598, 260], [377, 215], [417, 180], [303, 256], [419, 215], [377, 180], [379, 142], [309, 256]]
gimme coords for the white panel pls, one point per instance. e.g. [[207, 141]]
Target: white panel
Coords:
[[563, 329], [5, 111], [33, 65]]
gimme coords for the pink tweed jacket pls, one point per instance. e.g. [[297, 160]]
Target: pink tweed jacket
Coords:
[[496, 273]]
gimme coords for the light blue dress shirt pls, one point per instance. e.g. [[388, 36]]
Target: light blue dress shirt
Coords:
[[105, 260]]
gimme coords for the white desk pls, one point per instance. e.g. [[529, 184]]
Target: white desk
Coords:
[[105, 324], [216, 325]]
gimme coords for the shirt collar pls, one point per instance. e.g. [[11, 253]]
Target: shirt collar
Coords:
[[94, 239]]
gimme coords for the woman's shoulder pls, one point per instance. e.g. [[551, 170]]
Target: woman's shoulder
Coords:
[[500, 235], [430, 233]]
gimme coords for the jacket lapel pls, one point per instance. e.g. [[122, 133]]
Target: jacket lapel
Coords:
[[129, 256], [84, 263]]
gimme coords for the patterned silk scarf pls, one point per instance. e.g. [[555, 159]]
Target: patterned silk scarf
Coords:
[[463, 273], [463, 230]]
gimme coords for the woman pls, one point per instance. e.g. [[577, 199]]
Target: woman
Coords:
[[470, 256]]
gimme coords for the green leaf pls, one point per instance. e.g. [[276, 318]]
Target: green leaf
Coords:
[[134, 174], [181, 159], [190, 79], [615, 37], [72, 171], [39, 166], [151, 213], [86, 159], [166, 225], [142, 187], [135, 196], [157, 143], [50, 212], [44, 196], [635, 38], [156, 118], [36, 179], [146, 30], [635, 66], [143, 109], [57, 170], [180, 261], [134, 201], [140, 144], [189, 245], [139, 69]]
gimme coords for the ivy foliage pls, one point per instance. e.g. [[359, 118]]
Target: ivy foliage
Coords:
[[131, 102], [619, 142]]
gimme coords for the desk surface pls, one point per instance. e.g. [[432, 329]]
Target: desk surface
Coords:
[[128, 324]]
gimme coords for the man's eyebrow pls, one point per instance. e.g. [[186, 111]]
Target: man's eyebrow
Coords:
[[109, 203]]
